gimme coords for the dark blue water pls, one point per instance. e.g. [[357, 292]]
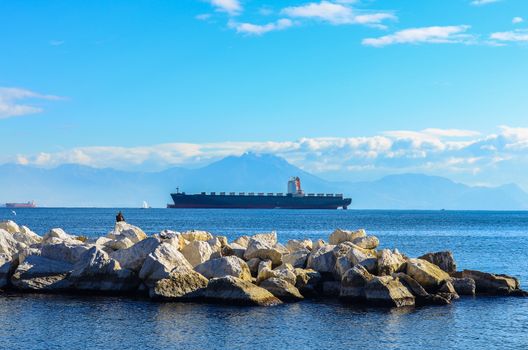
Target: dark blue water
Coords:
[[490, 241]]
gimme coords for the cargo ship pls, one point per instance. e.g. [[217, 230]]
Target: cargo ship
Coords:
[[21, 205], [295, 198]]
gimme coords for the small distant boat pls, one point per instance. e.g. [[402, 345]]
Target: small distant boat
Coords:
[[145, 205], [21, 205]]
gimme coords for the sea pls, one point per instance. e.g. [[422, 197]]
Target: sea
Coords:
[[488, 241]]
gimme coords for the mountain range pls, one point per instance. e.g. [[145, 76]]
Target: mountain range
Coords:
[[82, 186]]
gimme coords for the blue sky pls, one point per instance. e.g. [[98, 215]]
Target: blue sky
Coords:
[[152, 84]]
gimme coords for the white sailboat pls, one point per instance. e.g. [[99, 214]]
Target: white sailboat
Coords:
[[145, 205]]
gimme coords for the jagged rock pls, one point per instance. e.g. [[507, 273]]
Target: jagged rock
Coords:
[[242, 241], [369, 242], [388, 291], [64, 251], [443, 260], [294, 245], [7, 267], [297, 258], [267, 238], [182, 283], [173, 238], [464, 286], [322, 260], [353, 283], [56, 235], [159, 264], [342, 265], [448, 288], [9, 245], [233, 290], [308, 282], [428, 275], [363, 257], [195, 235], [286, 274], [282, 289], [262, 250], [118, 244], [281, 249], [226, 266], [9, 226], [26, 236], [238, 250], [489, 283], [23, 253], [390, 262], [318, 244], [96, 271], [124, 230], [253, 265], [41, 274], [264, 264], [197, 252], [133, 258], [340, 236], [331, 288]]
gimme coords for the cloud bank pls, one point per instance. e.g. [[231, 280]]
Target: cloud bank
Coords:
[[11, 102], [436, 151]]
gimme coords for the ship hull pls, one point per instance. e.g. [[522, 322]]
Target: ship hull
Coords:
[[257, 202]]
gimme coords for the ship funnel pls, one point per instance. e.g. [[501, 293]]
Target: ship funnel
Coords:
[[294, 186]]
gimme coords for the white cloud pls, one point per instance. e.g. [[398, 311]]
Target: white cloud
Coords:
[[518, 35], [483, 2], [437, 151], [517, 20], [203, 16], [335, 13], [10, 105], [232, 7], [436, 34], [258, 29]]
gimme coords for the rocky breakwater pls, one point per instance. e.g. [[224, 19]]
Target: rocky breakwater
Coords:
[[251, 270]]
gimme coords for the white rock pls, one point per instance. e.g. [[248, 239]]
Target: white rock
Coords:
[[369, 242], [297, 258], [58, 234], [159, 264], [197, 252], [195, 235], [39, 273], [7, 266], [267, 238], [124, 230], [226, 266], [26, 236], [340, 236], [96, 271], [64, 251], [318, 244], [322, 259], [9, 245], [363, 257], [263, 250], [238, 250], [294, 245], [242, 241], [10, 226], [390, 262], [133, 258]]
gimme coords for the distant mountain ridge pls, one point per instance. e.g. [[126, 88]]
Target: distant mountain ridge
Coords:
[[82, 186]]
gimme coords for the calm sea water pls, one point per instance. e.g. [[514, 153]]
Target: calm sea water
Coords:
[[490, 241]]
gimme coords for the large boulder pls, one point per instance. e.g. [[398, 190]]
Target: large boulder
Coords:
[[369, 242], [236, 250], [297, 258], [68, 251], [489, 283], [308, 282], [322, 260], [226, 266], [10, 226], [318, 244], [133, 258], [363, 257], [464, 286], [340, 236], [56, 235], [388, 291], [443, 260], [242, 241], [41, 274], [285, 272], [262, 249], [96, 271], [173, 238], [124, 230], [342, 266], [9, 246], [294, 245], [7, 267], [197, 252], [26, 236], [267, 238], [282, 289], [159, 264], [231, 290], [196, 235], [354, 282], [427, 274], [422, 297], [390, 262], [182, 284]]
